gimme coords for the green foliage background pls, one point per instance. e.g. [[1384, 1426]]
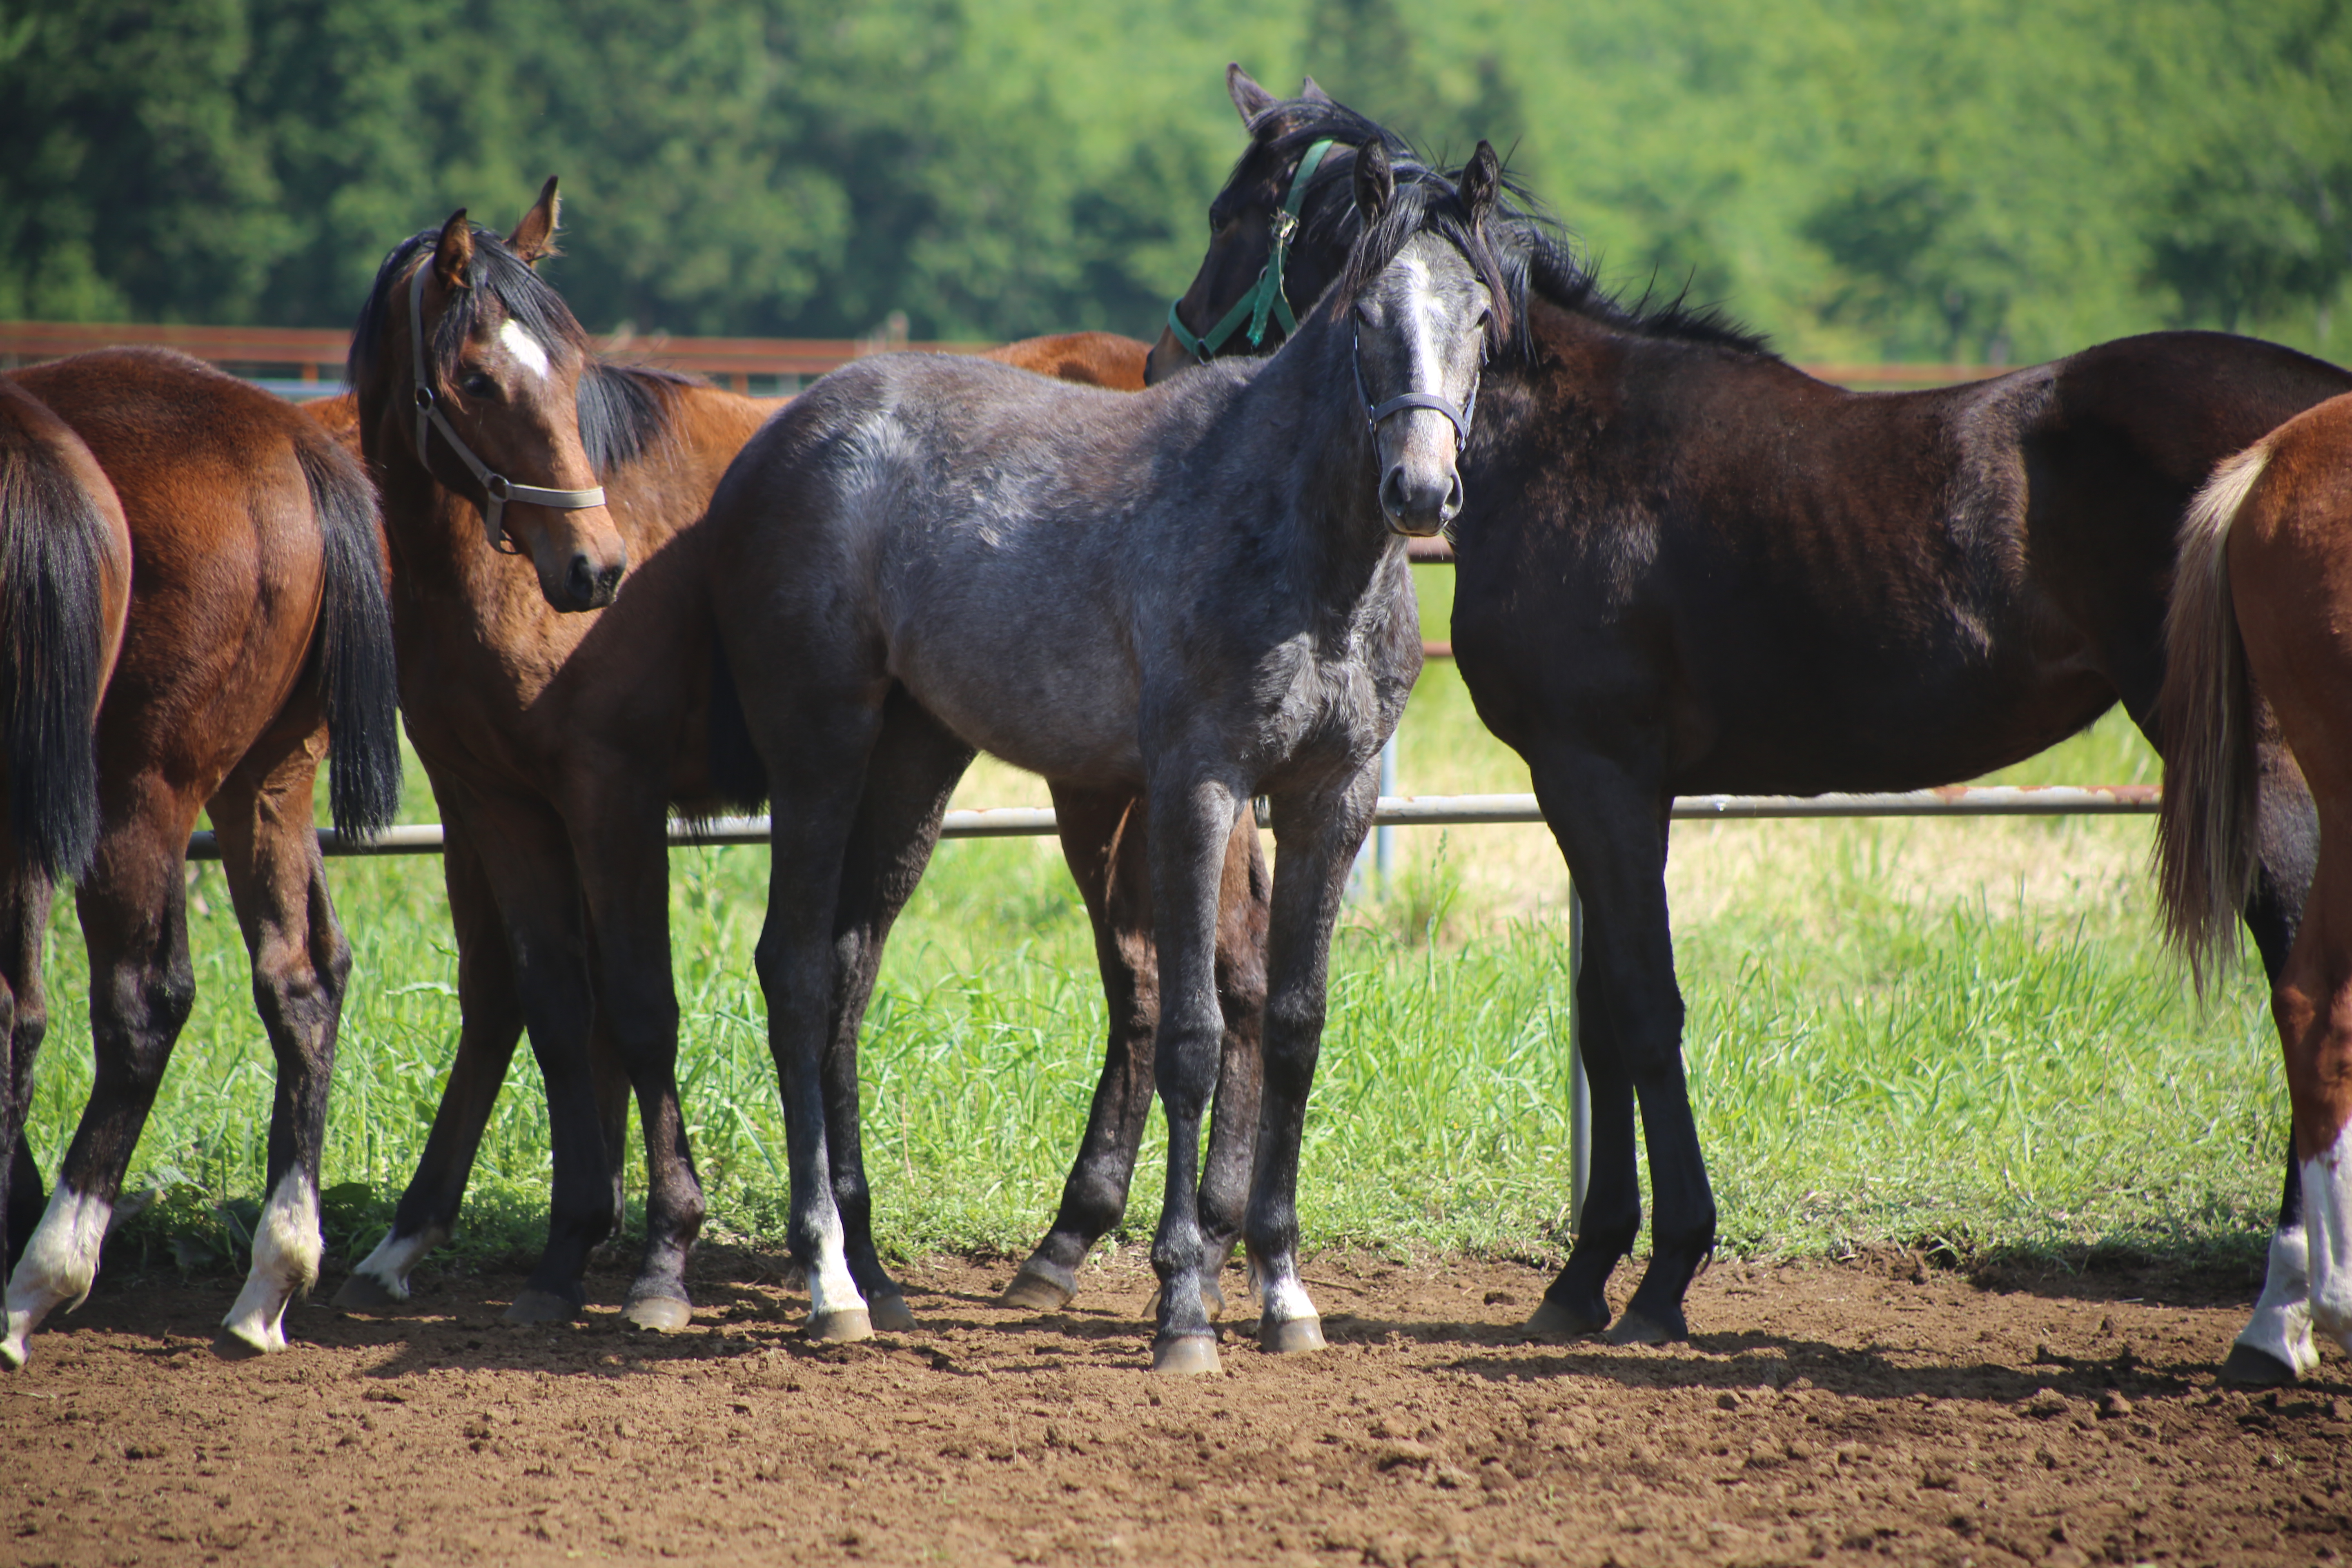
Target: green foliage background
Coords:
[[1980, 179]]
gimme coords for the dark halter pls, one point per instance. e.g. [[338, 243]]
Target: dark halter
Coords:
[[1460, 417], [1265, 298], [496, 487]]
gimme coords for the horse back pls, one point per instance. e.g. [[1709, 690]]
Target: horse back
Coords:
[[1090, 359], [238, 505]]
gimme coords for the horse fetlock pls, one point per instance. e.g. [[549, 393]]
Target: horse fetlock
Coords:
[[1041, 1285], [380, 1281], [58, 1265], [287, 1248]]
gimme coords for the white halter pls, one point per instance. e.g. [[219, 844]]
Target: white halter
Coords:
[[496, 487]]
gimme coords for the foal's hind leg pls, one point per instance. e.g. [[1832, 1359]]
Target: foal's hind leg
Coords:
[[269, 853], [1108, 853], [134, 906], [909, 777], [490, 1025]]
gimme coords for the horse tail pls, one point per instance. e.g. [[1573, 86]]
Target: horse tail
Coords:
[[58, 530], [360, 678], [737, 776], [2207, 838]]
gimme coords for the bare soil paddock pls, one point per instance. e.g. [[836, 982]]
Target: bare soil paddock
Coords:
[[1824, 1412]]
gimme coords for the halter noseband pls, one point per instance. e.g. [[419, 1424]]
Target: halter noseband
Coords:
[[496, 487], [1460, 417], [1265, 298]]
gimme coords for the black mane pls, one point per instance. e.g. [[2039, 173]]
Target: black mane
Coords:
[[623, 410], [1532, 248]]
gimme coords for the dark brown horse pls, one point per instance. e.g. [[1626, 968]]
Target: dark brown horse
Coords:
[[1688, 567], [257, 630], [558, 743], [2264, 602]]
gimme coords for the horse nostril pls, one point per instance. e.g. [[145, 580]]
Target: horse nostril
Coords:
[[1392, 498], [1453, 507]]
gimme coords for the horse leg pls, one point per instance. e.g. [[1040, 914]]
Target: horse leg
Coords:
[[815, 738], [1192, 825], [1611, 822], [1108, 854], [270, 854], [529, 860], [624, 872], [25, 898], [1245, 894], [2274, 1349], [133, 906], [1107, 850], [911, 775], [490, 1024], [1318, 833]]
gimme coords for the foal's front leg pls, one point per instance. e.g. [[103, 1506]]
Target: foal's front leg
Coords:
[[1316, 833], [1191, 821]]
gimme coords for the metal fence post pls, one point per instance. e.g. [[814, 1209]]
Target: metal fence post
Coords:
[[1580, 1093], [1382, 834]]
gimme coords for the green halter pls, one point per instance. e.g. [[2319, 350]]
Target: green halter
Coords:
[[1265, 299]]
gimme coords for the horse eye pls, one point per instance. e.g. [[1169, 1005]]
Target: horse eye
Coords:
[[478, 384]]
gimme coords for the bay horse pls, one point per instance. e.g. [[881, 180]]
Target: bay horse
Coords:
[[1199, 593], [2263, 604], [257, 635], [558, 738], [1688, 567], [65, 588]]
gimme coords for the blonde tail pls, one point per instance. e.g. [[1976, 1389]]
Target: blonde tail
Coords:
[[2207, 841]]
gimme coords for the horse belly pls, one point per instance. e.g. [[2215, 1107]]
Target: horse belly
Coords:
[[1018, 693]]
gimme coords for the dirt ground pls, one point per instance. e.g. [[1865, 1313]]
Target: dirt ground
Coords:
[[1833, 1411]]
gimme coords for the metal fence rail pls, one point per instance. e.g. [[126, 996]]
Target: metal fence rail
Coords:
[[1409, 811]]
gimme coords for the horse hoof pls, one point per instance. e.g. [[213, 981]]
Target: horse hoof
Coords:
[[2247, 1367], [1185, 1355], [366, 1293], [890, 1314], [661, 1314], [230, 1345], [1034, 1293], [541, 1307], [1553, 1322], [849, 1324], [1290, 1336], [1641, 1329]]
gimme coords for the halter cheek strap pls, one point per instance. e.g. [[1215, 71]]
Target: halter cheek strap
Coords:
[[496, 487], [1265, 299]]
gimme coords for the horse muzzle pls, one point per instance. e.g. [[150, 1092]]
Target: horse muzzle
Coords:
[[1420, 502]]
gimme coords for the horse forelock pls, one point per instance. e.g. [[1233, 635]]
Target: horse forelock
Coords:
[[1432, 206], [517, 292]]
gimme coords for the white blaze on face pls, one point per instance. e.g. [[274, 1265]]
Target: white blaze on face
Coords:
[[58, 1265], [524, 347], [2281, 1326], [2327, 1228], [286, 1251]]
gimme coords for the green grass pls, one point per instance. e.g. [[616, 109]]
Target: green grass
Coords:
[[1897, 1034]]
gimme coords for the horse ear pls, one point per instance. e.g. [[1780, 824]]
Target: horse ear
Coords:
[[534, 237], [453, 254], [1375, 181], [1310, 93], [1482, 181], [1249, 98]]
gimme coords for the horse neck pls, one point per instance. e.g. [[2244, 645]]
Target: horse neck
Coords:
[[1338, 539]]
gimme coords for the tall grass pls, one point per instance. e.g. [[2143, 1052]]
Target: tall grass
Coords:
[[1897, 1032]]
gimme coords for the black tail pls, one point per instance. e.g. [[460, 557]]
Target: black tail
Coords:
[[738, 777], [53, 542], [362, 682]]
